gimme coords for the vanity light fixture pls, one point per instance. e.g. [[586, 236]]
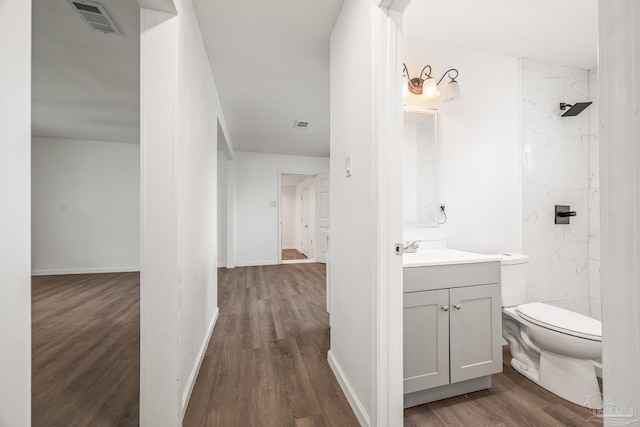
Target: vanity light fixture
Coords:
[[426, 85]]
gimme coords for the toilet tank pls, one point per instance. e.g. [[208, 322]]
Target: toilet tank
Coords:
[[514, 279]]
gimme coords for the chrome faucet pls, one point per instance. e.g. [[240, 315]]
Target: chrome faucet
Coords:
[[411, 247]]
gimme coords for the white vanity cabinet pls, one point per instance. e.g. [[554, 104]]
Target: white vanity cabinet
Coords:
[[452, 330]]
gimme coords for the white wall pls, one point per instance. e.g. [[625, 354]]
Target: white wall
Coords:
[[257, 191], [86, 206], [353, 239], [15, 214], [179, 105], [222, 209], [479, 175], [619, 82], [289, 219], [196, 198], [556, 172]]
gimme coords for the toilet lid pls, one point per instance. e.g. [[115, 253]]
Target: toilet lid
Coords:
[[561, 320]]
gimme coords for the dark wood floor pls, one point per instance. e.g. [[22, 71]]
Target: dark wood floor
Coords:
[[85, 350], [513, 400], [291, 254], [265, 366], [267, 360]]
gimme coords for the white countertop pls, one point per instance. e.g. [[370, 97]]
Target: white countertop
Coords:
[[432, 257]]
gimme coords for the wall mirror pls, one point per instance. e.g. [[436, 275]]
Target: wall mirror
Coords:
[[420, 150]]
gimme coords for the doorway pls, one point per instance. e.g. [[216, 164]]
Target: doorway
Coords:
[[85, 221], [297, 218]]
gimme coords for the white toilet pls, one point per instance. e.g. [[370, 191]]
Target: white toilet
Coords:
[[551, 346]]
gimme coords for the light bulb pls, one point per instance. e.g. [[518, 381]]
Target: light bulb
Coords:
[[430, 89]]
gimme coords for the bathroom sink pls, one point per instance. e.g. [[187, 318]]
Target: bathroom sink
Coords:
[[444, 257]]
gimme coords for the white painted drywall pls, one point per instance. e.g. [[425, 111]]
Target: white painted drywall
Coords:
[[353, 239], [619, 71], [196, 165], [15, 214], [86, 206], [479, 177], [289, 221], [256, 185], [178, 261], [222, 209], [159, 291]]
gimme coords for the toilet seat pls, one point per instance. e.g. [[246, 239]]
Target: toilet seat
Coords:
[[561, 320]]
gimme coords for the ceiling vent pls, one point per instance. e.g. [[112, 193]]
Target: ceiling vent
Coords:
[[300, 125], [95, 16]]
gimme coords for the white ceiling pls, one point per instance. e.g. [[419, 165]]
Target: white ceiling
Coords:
[[557, 31], [85, 84], [271, 65], [270, 61]]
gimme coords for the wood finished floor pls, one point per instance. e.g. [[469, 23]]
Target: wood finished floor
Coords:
[[85, 350], [265, 365], [512, 400], [291, 254]]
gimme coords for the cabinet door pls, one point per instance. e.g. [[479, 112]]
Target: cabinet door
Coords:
[[475, 333], [426, 339]]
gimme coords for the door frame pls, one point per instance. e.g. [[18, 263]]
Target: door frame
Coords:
[[306, 174], [387, 302]]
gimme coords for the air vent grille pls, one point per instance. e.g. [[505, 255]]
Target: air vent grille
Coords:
[[300, 124], [94, 15]]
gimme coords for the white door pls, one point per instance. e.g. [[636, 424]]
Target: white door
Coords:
[[304, 222], [322, 217]]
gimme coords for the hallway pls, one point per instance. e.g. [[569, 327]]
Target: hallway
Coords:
[[267, 360]]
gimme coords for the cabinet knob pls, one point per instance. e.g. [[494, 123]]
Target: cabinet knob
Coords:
[[445, 307], [457, 306]]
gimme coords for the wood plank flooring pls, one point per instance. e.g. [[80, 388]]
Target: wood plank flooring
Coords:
[[267, 360], [513, 400], [265, 365], [85, 350], [291, 254]]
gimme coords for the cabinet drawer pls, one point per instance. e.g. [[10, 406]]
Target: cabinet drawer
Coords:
[[417, 279]]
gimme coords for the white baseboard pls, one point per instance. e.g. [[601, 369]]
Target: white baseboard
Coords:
[[85, 271], [356, 405], [186, 395], [298, 261], [285, 248], [255, 263]]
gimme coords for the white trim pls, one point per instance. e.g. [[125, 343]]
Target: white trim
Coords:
[[299, 261], [92, 270], [255, 263], [186, 395], [349, 392], [288, 248], [387, 317]]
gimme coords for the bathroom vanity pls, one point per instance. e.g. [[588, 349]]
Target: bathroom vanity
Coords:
[[452, 324]]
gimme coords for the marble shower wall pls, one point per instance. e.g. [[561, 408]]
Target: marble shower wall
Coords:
[[557, 170]]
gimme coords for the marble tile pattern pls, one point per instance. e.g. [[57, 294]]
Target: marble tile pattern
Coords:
[[558, 169]]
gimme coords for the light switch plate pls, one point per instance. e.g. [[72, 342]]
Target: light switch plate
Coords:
[[348, 166]]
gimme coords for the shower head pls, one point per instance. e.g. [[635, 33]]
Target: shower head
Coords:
[[574, 109]]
